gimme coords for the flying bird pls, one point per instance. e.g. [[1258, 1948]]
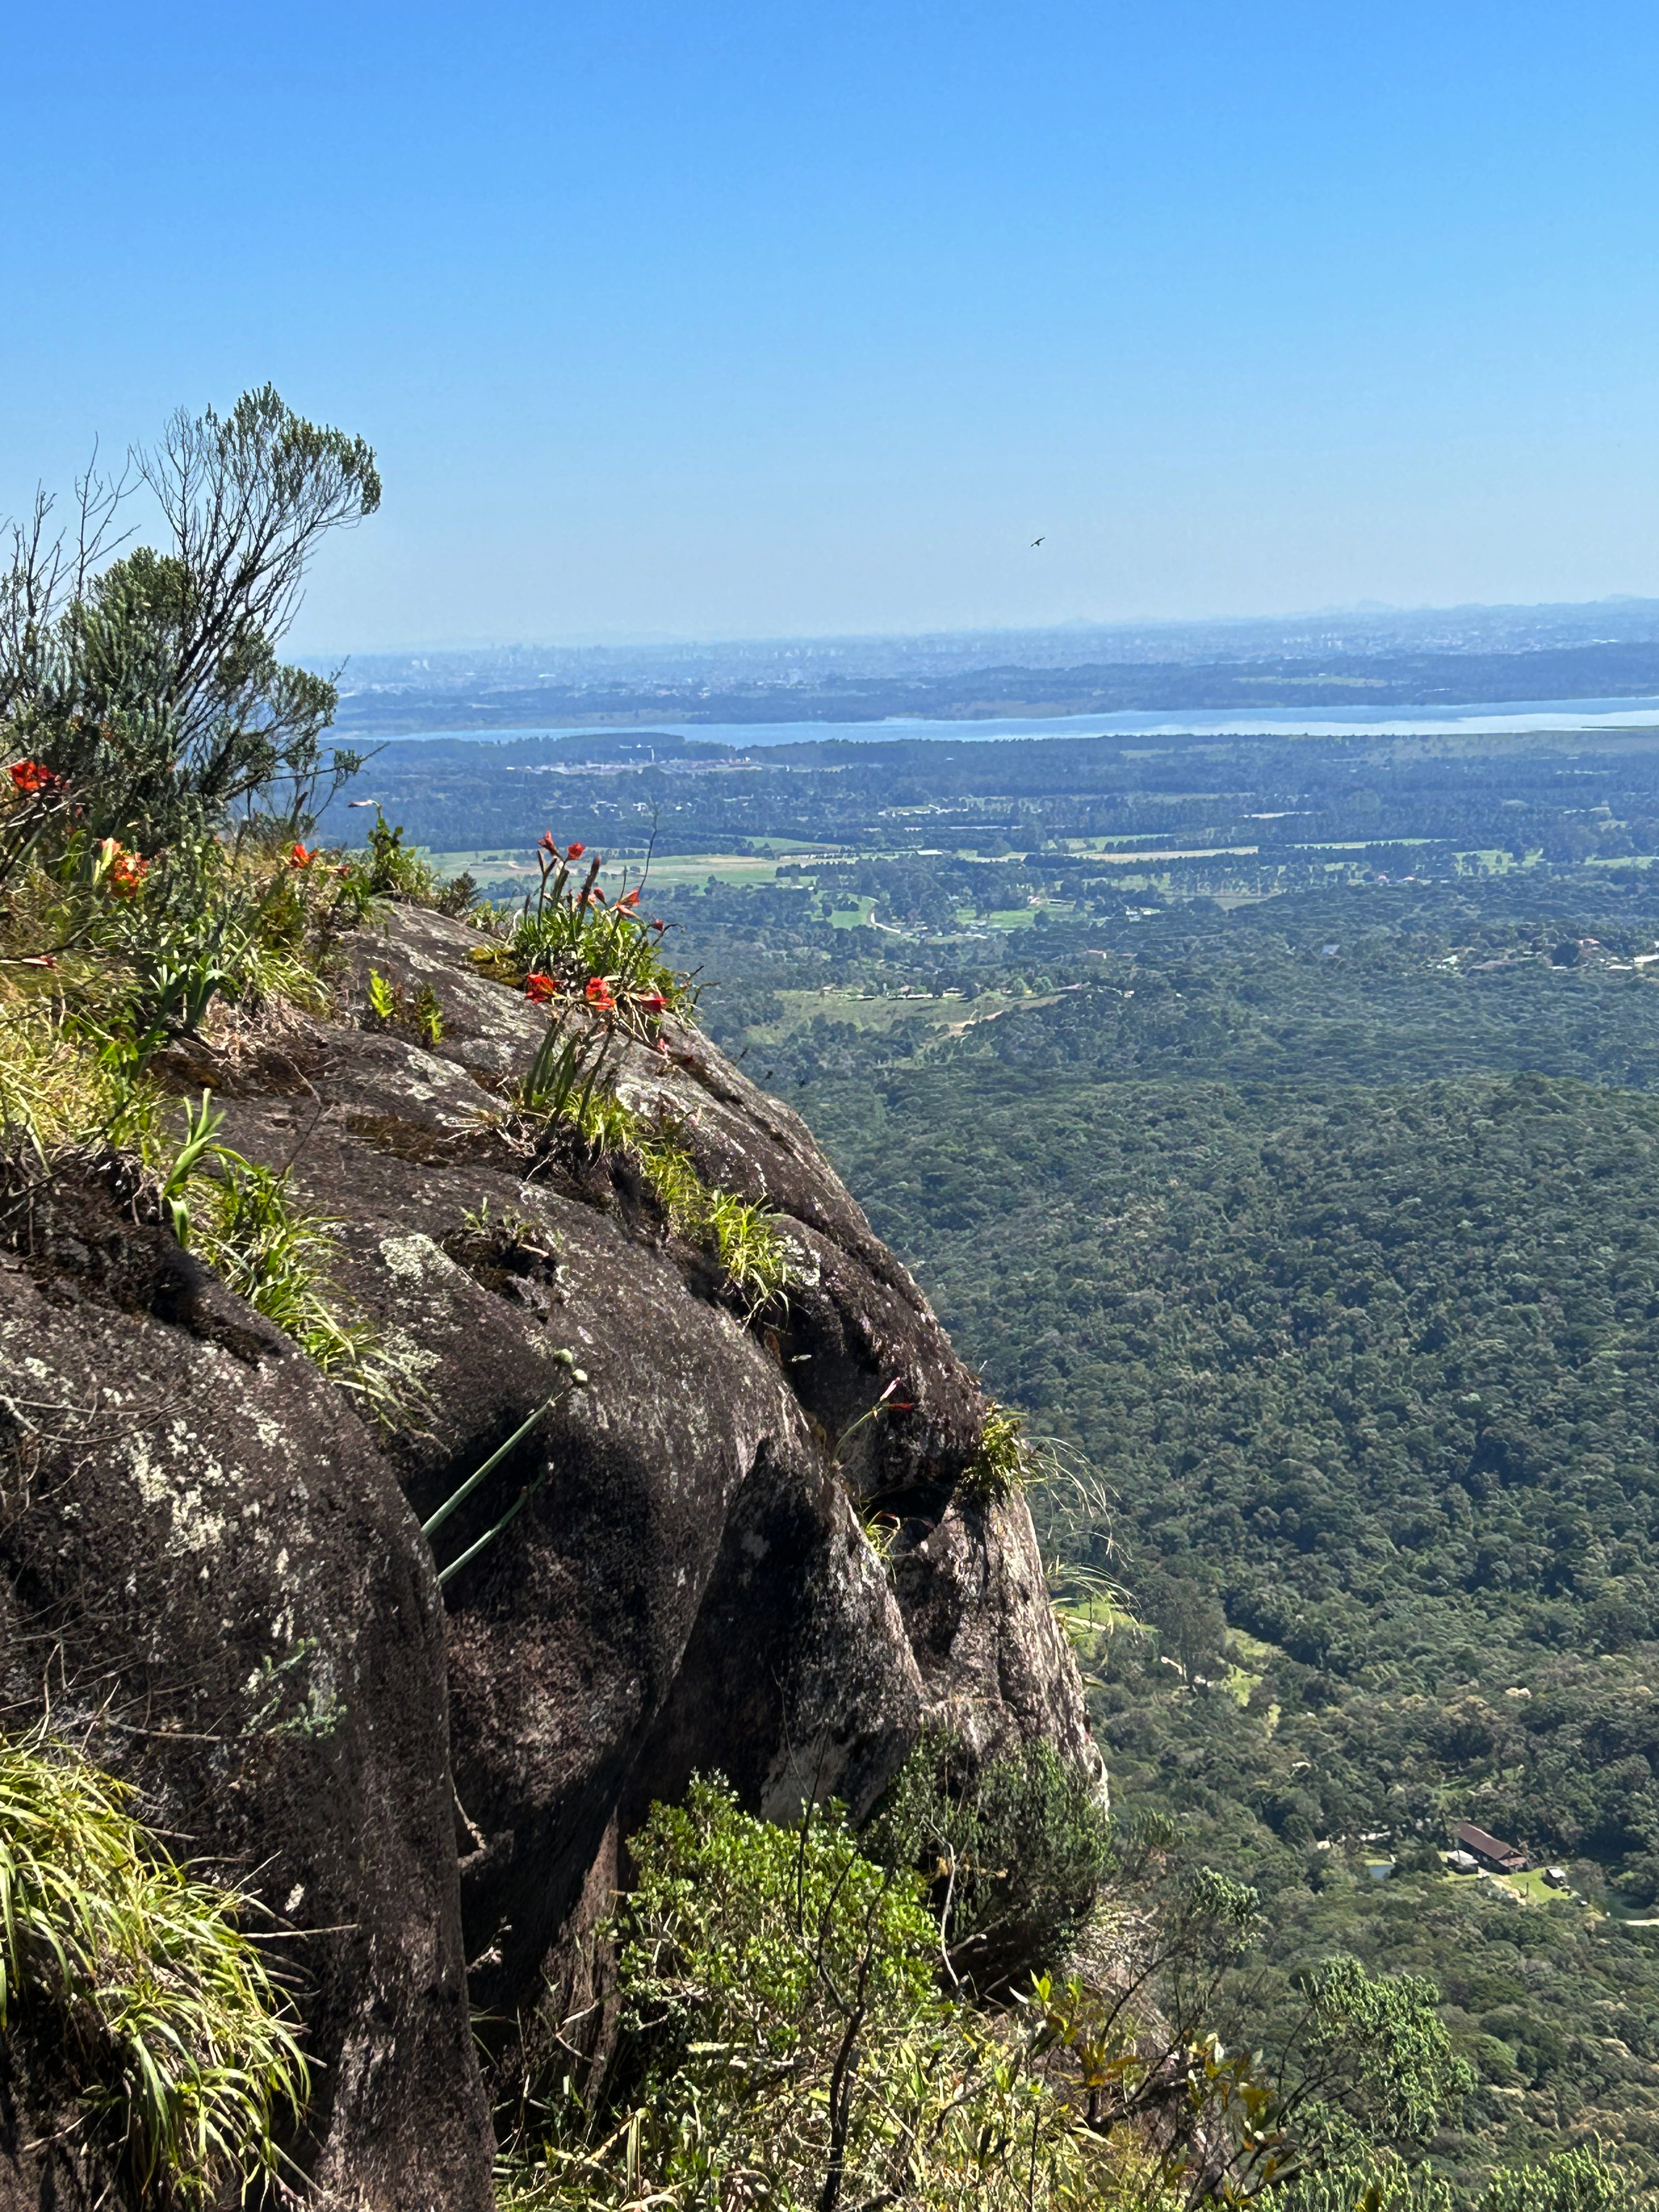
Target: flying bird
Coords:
[[362, 802], [1036, 542]]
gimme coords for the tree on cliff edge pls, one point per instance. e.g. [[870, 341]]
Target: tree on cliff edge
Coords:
[[150, 678]]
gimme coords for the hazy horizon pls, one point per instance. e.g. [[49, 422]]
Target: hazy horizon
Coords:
[[1361, 616]]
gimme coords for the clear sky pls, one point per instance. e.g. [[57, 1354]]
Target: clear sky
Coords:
[[765, 317]]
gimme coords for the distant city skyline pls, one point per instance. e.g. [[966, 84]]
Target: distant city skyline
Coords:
[[744, 321], [1493, 627]]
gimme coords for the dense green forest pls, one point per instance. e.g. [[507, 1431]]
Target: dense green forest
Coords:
[[1328, 1230]]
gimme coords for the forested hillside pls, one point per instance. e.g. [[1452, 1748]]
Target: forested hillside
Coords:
[[1327, 1230]]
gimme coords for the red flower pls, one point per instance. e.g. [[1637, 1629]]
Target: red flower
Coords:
[[538, 989], [299, 858], [126, 875], [631, 898], [544, 843], [576, 852], [29, 776], [658, 926], [656, 1004], [598, 995]]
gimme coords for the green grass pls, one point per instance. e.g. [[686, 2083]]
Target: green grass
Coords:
[[185, 2052], [242, 1220], [866, 1010], [275, 1255], [1003, 1462], [57, 1095], [571, 1085], [519, 865], [852, 917], [1532, 1885], [742, 1235]]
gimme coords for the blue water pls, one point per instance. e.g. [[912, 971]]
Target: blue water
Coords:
[[1508, 716]]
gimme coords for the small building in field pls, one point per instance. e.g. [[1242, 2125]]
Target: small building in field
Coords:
[[1491, 1851]]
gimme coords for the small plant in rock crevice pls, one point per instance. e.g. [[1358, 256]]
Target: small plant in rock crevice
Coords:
[[884, 1408], [1003, 1464], [882, 1531], [490, 1245], [241, 1219], [568, 1093], [741, 1234], [569, 1086], [391, 1006]]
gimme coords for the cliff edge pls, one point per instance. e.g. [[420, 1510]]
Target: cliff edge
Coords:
[[213, 1572]]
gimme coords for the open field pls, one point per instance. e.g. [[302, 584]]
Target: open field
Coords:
[[949, 1013], [518, 864]]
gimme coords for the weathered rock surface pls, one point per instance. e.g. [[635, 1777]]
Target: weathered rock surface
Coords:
[[229, 1555], [212, 1580]]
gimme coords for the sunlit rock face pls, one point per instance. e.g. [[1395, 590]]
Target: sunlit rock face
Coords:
[[213, 1562]]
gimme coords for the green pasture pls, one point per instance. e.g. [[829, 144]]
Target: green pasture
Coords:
[[877, 1012], [518, 864]]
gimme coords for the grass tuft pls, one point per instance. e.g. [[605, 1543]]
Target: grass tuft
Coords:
[[570, 1085], [1004, 1463], [186, 2053], [242, 1220], [59, 1097], [742, 1233]]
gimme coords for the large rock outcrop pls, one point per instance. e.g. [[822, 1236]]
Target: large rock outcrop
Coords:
[[211, 1564]]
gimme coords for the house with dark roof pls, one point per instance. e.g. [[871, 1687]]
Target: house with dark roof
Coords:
[[1491, 1851]]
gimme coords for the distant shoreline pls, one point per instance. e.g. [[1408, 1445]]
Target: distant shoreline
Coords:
[[1604, 717]]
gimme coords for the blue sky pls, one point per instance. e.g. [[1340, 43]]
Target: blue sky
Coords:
[[748, 319]]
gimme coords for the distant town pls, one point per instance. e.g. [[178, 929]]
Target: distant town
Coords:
[[1606, 649]]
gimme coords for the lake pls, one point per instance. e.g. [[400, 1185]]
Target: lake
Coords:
[[1588, 716]]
